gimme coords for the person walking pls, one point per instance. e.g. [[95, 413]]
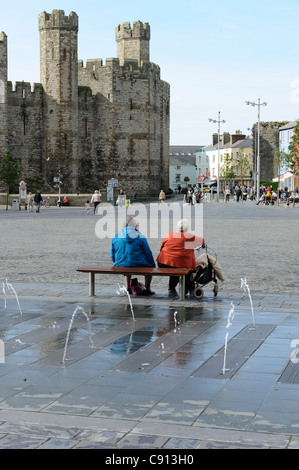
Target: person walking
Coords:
[[227, 194], [162, 196], [30, 201], [96, 200], [38, 199]]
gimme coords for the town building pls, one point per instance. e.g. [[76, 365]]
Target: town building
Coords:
[[235, 151], [182, 165], [287, 179]]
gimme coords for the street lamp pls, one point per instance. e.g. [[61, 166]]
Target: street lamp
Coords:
[[218, 171], [258, 160]]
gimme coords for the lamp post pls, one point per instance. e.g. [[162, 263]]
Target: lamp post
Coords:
[[218, 170], [258, 159]]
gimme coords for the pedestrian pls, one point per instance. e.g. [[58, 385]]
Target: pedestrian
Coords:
[[38, 199], [121, 200], [162, 196], [87, 207], [227, 193], [30, 201], [96, 200], [130, 248]]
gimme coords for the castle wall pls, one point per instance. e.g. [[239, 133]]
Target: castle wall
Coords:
[[25, 126], [3, 93], [131, 133], [91, 123]]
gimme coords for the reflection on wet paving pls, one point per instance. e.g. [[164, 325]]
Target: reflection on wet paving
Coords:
[[38, 335]]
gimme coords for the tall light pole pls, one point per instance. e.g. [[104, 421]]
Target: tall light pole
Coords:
[[258, 159], [218, 171]]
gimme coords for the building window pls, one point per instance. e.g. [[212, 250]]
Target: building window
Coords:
[[290, 136], [282, 138], [178, 167]]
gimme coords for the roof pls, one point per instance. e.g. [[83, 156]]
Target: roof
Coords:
[[183, 160], [176, 150], [239, 144], [289, 125]]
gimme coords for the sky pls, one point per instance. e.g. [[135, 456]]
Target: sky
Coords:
[[215, 55]]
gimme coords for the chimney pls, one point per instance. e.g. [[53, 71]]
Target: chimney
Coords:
[[237, 136]]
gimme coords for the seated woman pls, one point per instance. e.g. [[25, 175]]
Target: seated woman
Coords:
[[177, 251], [130, 248]]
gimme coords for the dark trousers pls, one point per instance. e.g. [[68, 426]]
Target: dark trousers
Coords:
[[174, 280]]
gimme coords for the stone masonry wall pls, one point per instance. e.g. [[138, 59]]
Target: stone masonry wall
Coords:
[[92, 123], [269, 144]]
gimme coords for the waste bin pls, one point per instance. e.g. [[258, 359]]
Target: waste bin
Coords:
[[15, 205]]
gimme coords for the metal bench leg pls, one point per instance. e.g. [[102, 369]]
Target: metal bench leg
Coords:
[[91, 284], [182, 288]]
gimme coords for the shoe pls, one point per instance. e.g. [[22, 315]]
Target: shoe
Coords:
[[172, 293], [148, 292]]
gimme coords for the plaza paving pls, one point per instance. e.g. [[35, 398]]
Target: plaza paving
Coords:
[[152, 378]]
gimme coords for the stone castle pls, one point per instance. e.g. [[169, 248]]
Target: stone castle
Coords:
[[90, 123]]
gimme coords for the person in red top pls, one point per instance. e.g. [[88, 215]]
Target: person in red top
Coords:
[[177, 251]]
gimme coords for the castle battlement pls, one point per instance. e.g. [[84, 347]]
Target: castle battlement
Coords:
[[25, 90], [139, 31], [58, 20], [92, 120], [3, 38]]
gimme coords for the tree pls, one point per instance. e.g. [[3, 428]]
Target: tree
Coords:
[[9, 172], [280, 160], [242, 164], [293, 156], [227, 170], [186, 179]]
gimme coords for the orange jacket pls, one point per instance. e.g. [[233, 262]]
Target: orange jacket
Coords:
[[177, 250]]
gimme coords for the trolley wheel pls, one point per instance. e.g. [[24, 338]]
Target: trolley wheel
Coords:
[[198, 293], [215, 290]]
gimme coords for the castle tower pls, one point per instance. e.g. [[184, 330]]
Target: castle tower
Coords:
[[59, 78], [133, 43], [3, 94]]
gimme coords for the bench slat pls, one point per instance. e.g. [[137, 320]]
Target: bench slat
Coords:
[[132, 270]]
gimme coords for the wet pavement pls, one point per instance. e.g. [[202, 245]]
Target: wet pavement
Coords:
[[169, 375], [151, 379]]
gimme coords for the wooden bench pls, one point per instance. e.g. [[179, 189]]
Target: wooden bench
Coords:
[[93, 270]]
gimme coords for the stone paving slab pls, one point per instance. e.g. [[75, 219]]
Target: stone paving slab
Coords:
[[94, 400], [90, 405]]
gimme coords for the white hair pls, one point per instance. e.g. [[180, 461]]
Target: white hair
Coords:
[[183, 225], [131, 222]]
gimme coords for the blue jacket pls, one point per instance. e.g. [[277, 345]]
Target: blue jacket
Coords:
[[130, 248]]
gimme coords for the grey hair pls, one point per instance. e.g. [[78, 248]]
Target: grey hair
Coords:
[[182, 225], [131, 222]]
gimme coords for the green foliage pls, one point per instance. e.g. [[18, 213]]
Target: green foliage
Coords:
[[9, 169], [227, 170], [293, 156], [9, 172]]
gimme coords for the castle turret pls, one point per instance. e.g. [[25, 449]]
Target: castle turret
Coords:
[[133, 43], [3, 94], [59, 77]]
